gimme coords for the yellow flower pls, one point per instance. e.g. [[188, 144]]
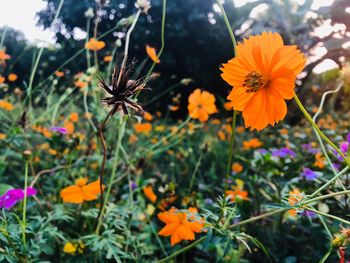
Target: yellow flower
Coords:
[[69, 248]]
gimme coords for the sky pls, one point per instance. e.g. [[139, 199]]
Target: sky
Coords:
[[25, 20]]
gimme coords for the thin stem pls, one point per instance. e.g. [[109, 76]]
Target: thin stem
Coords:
[[330, 181], [230, 153], [86, 108], [309, 201], [25, 207], [328, 215], [31, 78], [87, 40], [104, 158], [259, 217], [228, 25], [182, 250], [308, 117], [115, 163], [196, 168], [162, 41], [127, 40]]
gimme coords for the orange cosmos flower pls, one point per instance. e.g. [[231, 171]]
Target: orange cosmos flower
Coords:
[[237, 168], [74, 117], [262, 75], [6, 105], [59, 74], [3, 136], [147, 116], [238, 192], [143, 127], [94, 44], [180, 225], [3, 55], [107, 58], [81, 191], [2, 79], [151, 52], [12, 77], [148, 192], [295, 196], [201, 105], [320, 161], [251, 144]]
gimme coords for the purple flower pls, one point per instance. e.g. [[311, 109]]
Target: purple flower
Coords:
[[283, 152], [61, 130], [348, 138], [308, 174], [12, 196], [308, 214], [133, 185], [262, 151], [308, 147]]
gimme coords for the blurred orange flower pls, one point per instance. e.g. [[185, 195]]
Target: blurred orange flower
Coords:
[[3, 136], [143, 127], [3, 55], [94, 44], [6, 105], [80, 84], [81, 191], [74, 117], [147, 116], [59, 74], [69, 126], [148, 192], [2, 79], [295, 197], [253, 143], [201, 105], [262, 75], [237, 168], [179, 226], [238, 191], [151, 52], [320, 161], [107, 58], [12, 77]]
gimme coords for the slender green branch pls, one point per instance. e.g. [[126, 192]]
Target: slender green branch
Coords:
[[24, 222], [328, 215], [182, 250], [228, 25], [162, 41], [196, 168], [308, 117], [330, 181], [230, 152]]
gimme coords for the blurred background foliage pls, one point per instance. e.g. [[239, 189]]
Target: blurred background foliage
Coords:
[[196, 40]]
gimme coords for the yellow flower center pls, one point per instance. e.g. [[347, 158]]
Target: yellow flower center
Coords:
[[253, 81]]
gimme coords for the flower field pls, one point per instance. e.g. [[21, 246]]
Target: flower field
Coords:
[[102, 160]]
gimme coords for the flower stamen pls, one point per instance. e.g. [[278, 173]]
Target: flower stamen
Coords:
[[253, 81]]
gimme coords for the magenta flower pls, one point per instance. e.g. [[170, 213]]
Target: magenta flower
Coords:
[[61, 130], [12, 196], [344, 147], [348, 138]]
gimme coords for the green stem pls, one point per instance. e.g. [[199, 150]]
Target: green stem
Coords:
[[328, 215], [87, 40], [309, 201], [230, 154], [182, 250], [115, 163], [330, 182], [308, 117], [162, 41], [228, 25], [196, 168], [25, 207]]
